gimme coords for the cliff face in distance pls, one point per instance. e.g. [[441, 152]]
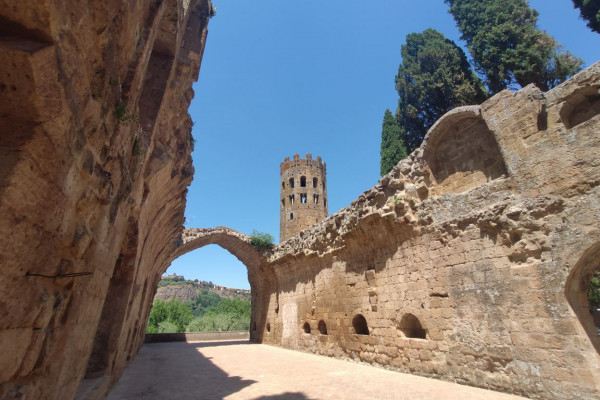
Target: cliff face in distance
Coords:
[[95, 153], [185, 290]]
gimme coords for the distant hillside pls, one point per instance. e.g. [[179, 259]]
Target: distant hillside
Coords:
[[177, 287]]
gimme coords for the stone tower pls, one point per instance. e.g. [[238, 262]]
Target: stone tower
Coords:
[[303, 200]]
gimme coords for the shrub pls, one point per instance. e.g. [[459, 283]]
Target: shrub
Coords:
[[167, 327], [261, 240]]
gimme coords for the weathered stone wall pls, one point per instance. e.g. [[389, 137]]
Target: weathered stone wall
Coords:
[[95, 163], [470, 261]]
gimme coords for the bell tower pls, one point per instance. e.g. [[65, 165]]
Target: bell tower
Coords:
[[303, 200]]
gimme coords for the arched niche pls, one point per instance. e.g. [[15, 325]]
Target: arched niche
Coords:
[[306, 328], [411, 327], [322, 326], [462, 152], [581, 106], [576, 291], [359, 323]]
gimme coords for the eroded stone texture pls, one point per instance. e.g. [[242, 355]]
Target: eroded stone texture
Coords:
[[95, 159], [468, 262]]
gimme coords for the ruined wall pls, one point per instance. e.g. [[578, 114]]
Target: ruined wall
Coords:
[[469, 261], [95, 154]]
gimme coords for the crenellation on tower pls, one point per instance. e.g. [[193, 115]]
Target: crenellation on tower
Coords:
[[303, 199]]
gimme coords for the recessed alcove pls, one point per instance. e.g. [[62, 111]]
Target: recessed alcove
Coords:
[[359, 323]]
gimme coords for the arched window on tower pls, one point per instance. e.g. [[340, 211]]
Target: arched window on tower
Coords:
[[302, 181], [316, 198], [292, 198], [315, 182], [303, 198], [292, 183], [283, 202], [283, 185], [291, 216]]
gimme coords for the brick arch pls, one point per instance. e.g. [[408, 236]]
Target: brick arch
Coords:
[[461, 152], [260, 276]]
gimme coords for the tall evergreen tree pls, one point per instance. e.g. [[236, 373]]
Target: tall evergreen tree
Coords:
[[434, 78], [590, 11], [507, 47], [392, 143]]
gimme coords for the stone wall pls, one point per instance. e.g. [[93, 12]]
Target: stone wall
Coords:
[[471, 260], [468, 262], [95, 153]]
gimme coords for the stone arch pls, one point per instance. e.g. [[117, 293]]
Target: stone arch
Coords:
[[461, 152], [576, 291], [411, 327], [260, 276]]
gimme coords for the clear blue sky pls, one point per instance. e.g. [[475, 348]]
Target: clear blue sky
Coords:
[[284, 77]]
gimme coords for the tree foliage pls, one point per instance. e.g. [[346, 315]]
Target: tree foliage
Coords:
[[209, 312], [594, 291], [434, 77], [392, 143], [590, 12], [172, 311], [507, 47], [261, 239]]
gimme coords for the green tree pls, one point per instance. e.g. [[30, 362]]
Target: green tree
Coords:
[[172, 311], [392, 143], [434, 77], [206, 301], [239, 308], [228, 315], [507, 47], [594, 291], [590, 11], [167, 327]]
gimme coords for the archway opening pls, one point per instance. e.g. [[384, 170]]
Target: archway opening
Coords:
[[205, 290], [583, 293]]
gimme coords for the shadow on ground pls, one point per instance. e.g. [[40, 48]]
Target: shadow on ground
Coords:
[[187, 375], [284, 396]]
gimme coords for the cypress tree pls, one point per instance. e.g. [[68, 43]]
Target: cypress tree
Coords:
[[392, 143], [507, 47], [590, 11], [434, 77]]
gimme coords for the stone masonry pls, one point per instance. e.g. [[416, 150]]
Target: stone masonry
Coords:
[[303, 195], [95, 161], [469, 262]]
